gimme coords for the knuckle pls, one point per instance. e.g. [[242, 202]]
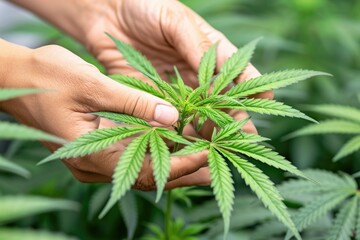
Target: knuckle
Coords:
[[144, 186], [204, 44], [145, 181], [140, 106]]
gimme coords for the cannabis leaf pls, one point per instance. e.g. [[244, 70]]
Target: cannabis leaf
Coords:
[[223, 146], [207, 65], [331, 192], [160, 156], [93, 142], [266, 106], [137, 84], [222, 183], [271, 81], [139, 62], [234, 66], [345, 221], [123, 118], [127, 169], [347, 122], [264, 189]]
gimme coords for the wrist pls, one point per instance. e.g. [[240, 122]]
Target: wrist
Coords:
[[74, 17], [12, 58]]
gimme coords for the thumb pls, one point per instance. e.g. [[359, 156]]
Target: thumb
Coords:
[[116, 97]]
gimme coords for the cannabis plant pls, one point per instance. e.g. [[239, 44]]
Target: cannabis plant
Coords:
[[13, 208], [330, 194], [227, 145], [347, 121]]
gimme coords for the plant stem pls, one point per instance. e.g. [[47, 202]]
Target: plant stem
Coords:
[[170, 199], [169, 202]]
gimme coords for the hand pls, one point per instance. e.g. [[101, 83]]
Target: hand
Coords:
[[168, 33], [75, 89]]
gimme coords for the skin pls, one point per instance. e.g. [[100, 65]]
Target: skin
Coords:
[[166, 31]]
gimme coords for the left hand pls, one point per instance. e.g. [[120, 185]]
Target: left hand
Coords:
[[167, 33]]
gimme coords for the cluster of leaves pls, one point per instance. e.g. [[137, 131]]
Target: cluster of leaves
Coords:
[[13, 208], [227, 145], [326, 208], [347, 121], [331, 193]]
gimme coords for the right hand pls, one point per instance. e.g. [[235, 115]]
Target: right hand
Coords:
[[75, 89]]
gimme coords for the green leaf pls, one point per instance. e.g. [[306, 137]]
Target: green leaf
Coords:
[[30, 234], [180, 84], [195, 147], [326, 127], [6, 165], [271, 81], [357, 232], [137, 84], [234, 66], [207, 65], [93, 141], [202, 119], [127, 170], [129, 212], [263, 154], [324, 177], [217, 116], [222, 184], [229, 129], [350, 147], [196, 95], [338, 111], [171, 135], [143, 65], [135, 59], [9, 93], [243, 137], [97, 200], [15, 207], [263, 188], [318, 208], [160, 158], [218, 101], [123, 118], [325, 182], [267, 106], [344, 222], [193, 229], [16, 131]]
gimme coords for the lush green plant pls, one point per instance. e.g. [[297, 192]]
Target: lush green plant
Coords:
[[226, 143], [16, 207], [331, 193], [327, 208], [347, 121]]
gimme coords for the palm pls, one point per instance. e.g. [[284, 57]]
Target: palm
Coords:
[[149, 37]]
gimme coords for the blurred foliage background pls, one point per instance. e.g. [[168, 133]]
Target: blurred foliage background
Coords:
[[313, 34]]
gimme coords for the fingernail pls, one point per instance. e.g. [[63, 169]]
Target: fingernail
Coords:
[[165, 115]]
